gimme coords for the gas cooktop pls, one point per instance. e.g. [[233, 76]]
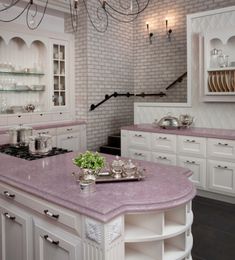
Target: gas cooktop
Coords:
[[23, 152]]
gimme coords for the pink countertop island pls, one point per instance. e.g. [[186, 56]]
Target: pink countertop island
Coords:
[[50, 178]]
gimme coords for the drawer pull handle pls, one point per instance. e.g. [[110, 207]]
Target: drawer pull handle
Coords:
[[162, 138], [7, 215], [70, 137], [190, 141], [191, 162], [9, 195], [51, 215], [138, 154], [138, 135], [222, 167], [45, 133], [162, 158], [222, 144], [69, 129], [50, 240]]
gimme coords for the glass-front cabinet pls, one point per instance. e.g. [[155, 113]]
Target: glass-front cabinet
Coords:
[[34, 76], [59, 72]]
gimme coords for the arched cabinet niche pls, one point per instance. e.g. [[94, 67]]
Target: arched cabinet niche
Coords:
[[219, 67], [35, 70]]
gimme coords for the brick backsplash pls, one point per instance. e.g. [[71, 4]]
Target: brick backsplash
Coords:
[[122, 60]]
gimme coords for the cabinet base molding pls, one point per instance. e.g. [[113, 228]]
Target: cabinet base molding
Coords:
[[216, 196]]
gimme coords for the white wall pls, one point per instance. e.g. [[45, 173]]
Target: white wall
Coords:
[[215, 115]]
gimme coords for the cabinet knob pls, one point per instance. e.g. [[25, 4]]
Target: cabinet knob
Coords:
[[138, 135], [222, 167], [191, 162], [223, 144], [50, 240], [61, 113], [19, 116], [51, 215], [7, 215], [69, 129], [162, 138], [190, 141], [9, 195]]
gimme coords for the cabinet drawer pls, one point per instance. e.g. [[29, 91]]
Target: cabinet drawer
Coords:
[[48, 210], [198, 168], [60, 116], [164, 158], [140, 154], [19, 119], [49, 131], [221, 177], [140, 140], [223, 149], [162, 142], [192, 145], [68, 129], [41, 117]]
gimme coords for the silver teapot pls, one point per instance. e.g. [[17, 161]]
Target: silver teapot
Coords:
[[168, 122]]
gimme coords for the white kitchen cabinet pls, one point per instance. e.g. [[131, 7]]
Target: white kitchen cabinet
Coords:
[[198, 168], [221, 177], [139, 140], [139, 154], [164, 158], [190, 145], [221, 149], [15, 233], [163, 142], [54, 243], [69, 141]]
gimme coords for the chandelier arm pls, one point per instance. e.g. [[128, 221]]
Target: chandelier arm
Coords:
[[129, 14], [27, 16], [119, 20], [6, 7], [13, 19], [73, 17], [92, 23]]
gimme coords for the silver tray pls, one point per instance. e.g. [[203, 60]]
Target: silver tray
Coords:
[[103, 177], [108, 177]]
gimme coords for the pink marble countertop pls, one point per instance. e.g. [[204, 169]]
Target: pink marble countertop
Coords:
[[50, 179], [193, 131], [48, 125]]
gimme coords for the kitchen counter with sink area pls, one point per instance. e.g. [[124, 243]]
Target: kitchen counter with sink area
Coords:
[[126, 220]]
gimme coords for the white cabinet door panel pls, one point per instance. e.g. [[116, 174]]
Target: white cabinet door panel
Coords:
[[190, 145], [139, 154], [53, 243], [69, 141], [163, 142], [140, 140], [221, 177], [15, 233], [198, 167], [164, 158], [222, 149]]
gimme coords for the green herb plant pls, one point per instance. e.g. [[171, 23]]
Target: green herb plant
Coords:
[[90, 160]]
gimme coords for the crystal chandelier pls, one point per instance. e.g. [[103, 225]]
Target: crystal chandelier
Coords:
[[98, 11]]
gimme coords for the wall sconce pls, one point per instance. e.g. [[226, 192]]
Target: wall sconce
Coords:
[[150, 34], [168, 31]]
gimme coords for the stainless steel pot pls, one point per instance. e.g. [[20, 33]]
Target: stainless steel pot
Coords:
[[41, 144], [19, 135], [169, 122]]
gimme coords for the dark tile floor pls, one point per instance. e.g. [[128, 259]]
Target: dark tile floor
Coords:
[[213, 230]]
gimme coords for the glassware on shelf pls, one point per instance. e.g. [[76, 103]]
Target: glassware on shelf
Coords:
[[214, 57], [223, 60]]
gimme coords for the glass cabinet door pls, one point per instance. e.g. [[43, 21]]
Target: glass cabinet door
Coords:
[[59, 79]]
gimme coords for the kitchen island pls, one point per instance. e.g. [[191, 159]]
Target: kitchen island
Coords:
[[42, 204]]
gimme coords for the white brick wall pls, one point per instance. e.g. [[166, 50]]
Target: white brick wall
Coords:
[[123, 60]]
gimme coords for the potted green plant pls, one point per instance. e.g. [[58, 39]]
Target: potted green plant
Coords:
[[90, 162]]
